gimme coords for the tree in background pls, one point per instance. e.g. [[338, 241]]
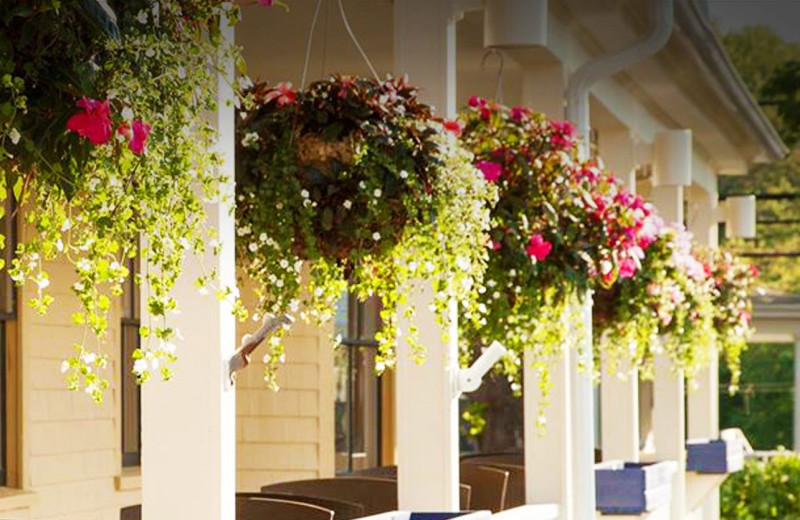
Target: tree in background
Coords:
[[770, 68]]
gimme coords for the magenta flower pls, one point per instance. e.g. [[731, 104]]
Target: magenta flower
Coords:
[[140, 132], [538, 247], [266, 3], [94, 123], [563, 134], [627, 268], [491, 170], [519, 114]]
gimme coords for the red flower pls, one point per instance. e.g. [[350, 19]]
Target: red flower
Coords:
[[139, 139], [754, 271], [282, 94], [495, 246], [538, 247], [94, 123], [124, 129], [455, 127], [266, 3], [491, 170]]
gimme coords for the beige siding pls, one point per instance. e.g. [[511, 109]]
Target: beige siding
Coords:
[[69, 458], [289, 434]]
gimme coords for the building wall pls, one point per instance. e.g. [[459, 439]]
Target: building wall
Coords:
[[66, 450], [288, 434]]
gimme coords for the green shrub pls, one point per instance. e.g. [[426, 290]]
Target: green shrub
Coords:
[[763, 490]]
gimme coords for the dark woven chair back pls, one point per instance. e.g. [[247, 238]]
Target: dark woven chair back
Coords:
[[342, 510], [512, 458], [260, 508], [377, 495], [488, 486], [515, 491], [131, 513]]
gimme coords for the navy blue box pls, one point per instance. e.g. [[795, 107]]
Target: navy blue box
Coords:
[[717, 456], [632, 488]]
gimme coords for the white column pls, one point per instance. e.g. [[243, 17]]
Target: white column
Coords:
[[427, 410], [620, 417], [669, 426], [427, 416], [619, 398], [669, 201], [548, 457], [583, 423], [703, 399], [796, 422], [188, 423]]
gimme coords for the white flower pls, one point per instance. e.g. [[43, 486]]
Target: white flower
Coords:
[[376, 236], [64, 366], [377, 193], [245, 82], [284, 263], [403, 174], [304, 194], [253, 247], [14, 135], [250, 140], [89, 358], [127, 113], [182, 72], [347, 204], [150, 52], [142, 16], [262, 237], [242, 231], [139, 366], [362, 185], [42, 282]]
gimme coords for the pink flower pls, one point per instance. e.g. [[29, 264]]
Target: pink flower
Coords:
[[627, 268], [563, 134], [495, 246], [454, 127], [491, 170], [538, 247], [754, 271], [139, 138], [266, 3], [94, 123], [475, 101], [282, 94], [745, 317]]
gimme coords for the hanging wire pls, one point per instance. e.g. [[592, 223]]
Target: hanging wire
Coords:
[[498, 88], [325, 39], [355, 42], [308, 45]]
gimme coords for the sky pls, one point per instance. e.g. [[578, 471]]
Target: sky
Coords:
[[783, 16]]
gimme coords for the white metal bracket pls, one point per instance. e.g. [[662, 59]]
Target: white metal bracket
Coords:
[[469, 379]]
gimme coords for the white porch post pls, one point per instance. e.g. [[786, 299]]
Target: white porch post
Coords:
[[669, 427], [548, 458], [188, 423], [796, 422], [427, 409], [583, 423], [703, 401], [619, 398], [672, 171]]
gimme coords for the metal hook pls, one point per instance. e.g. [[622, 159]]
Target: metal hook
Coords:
[[498, 88]]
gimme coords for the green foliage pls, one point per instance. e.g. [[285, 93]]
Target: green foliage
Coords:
[[763, 490], [764, 405], [87, 203], [356, 178], [769, 67]]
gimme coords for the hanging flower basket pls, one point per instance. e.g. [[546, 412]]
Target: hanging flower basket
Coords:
[[355, 177], [560, 228], [103, 139], [668, 306]]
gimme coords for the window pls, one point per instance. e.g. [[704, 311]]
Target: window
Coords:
[[8, 323], [358, 410], [131, 393]]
